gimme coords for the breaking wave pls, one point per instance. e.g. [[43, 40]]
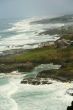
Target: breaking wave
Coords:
[[24, 34]]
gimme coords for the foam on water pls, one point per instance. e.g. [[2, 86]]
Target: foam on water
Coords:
[[42, 67], [43, 97], [6, 90], [25, 33], [16, 96]]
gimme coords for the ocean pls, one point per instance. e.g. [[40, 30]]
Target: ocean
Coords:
[[16, 96], [17, 34], [23, 34]]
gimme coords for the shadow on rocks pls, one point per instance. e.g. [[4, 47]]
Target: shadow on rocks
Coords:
[[70, 107]]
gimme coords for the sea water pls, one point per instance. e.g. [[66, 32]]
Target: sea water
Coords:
[[17, 96], [17, 34]]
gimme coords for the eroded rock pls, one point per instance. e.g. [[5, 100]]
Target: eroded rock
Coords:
[[36, 81]]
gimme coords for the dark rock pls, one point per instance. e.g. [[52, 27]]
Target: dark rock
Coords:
[[70, 107], [57, 74], [70, 91], [21, 67], [35, 81], [28, 66], [24, 82], [44, 82]]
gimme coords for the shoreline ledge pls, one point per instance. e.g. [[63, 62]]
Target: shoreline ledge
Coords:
[[61, 53]]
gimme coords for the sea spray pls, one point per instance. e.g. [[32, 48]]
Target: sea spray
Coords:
[[6, 91], [16, 96], [23, 34], [43, 97]]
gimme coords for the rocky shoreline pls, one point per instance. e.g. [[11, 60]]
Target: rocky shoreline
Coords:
[[21, 67], [53, 75], [59, 52], [36, 81], [46, 77]]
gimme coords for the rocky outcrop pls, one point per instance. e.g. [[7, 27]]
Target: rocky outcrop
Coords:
[[28, 66], [36, 81], [70, 107], [70, 91], [55, 74], [21, 67], [62, 43]]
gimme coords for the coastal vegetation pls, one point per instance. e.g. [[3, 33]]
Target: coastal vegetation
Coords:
[[60, 52], [42, 55]]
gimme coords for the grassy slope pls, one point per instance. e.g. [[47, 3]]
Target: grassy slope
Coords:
[[63, 56], [44, 55]]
